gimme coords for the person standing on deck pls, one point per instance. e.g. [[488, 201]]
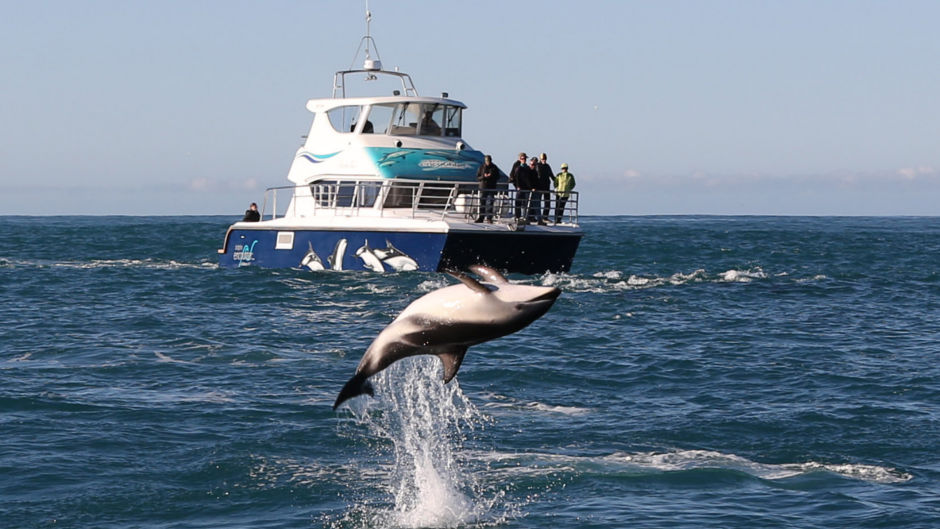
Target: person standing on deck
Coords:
[[514, 179], [546, 176], [564, 183], [530, 178], [488, 176]]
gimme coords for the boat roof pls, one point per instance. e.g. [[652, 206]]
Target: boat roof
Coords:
[[315, 105]]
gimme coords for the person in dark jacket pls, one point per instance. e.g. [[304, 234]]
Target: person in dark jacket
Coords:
[[252, 214], [487, 176], [546, 176], [514, 180], [528, 180]]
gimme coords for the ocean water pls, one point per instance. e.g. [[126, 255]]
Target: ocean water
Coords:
[[732, 372]]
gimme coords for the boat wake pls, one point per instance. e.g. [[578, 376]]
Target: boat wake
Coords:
[[615, 280], [95, 264], [680, 461]]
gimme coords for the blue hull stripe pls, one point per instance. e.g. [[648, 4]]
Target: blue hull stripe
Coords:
[[518, 252]]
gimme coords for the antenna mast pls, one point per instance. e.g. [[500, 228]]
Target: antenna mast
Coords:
[[370, 64]]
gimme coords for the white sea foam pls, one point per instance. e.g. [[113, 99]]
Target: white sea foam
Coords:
[[686, 460], [743, 276], [426, 422], [817, 277], [501, 402], [168, 359], [432, 284], [613, 280], [94, 264], [562, 410], [697, 459]]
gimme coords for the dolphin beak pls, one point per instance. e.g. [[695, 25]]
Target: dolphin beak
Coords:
[[550, 295], [540, 304]]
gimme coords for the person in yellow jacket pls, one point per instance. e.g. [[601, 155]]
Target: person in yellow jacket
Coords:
[[564, 183]]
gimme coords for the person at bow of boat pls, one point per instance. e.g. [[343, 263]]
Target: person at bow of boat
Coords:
[[564, 183], [252, 214], [488, 176]]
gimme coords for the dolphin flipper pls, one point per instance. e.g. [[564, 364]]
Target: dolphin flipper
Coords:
[[473, 284], [451, 357], [356, 386], [487, 273]]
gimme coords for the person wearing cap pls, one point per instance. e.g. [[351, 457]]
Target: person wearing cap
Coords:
[[564, 183], [488, 176]]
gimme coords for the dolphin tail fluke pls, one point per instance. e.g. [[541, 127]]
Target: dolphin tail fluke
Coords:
[[356, 386]]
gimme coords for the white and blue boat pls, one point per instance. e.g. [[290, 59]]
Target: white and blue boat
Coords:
[[387, 183]]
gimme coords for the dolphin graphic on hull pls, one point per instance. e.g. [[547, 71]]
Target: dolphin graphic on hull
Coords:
[[311, 260], [369, 260], [447, 321], [336, 259], [395, 258]]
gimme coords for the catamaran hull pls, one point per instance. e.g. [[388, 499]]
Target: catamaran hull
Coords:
[[525, 252]]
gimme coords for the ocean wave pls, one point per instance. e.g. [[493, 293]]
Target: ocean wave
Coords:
[[691, 460], [614, 280], [146, 264], [501, 402], [433, 284], [743, 276], [699, 459]]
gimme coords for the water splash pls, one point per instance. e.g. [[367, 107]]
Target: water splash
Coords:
[[426, 422]]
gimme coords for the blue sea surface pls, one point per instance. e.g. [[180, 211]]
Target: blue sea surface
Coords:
[[733, 372]]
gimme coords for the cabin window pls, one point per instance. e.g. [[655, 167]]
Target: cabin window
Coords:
[[401, 195], [368, 193], [452, 116], [345, 193], [380, 116], [424, 195], [431, 118], [405, 119], [425, 119], [344, 118]]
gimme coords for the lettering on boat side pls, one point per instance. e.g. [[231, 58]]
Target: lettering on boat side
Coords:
[[244, 254], [431, 165]]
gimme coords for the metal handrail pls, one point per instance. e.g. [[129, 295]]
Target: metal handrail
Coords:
[[446, 198]]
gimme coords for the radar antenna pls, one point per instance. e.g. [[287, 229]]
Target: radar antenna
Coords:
[[368, 42], [372, 67]]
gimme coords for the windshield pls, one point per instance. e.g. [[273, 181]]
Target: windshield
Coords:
[[425, 119]]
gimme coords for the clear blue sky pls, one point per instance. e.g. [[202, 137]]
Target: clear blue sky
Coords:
[[660, 107]]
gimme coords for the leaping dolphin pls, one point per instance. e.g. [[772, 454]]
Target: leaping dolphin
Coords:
[[447, 321]]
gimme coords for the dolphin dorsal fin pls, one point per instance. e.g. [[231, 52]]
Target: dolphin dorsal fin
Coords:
[[473, 284], [489, 274], [451, 357]]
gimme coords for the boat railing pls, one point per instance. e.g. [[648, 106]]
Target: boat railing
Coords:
[[424, 198]]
